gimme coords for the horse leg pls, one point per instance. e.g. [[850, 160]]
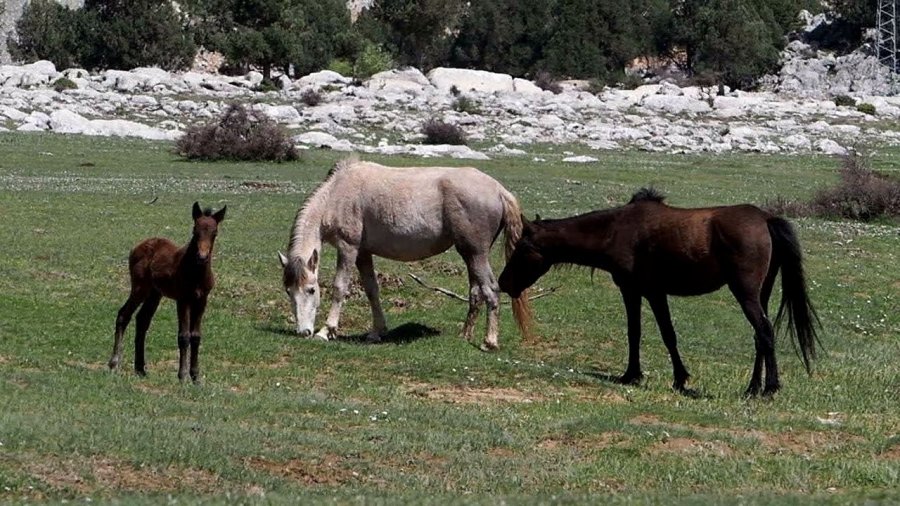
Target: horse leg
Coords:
[[764, 295], [122, 319], [346, 258], [197, 308], [764, 339], [633, 374], [370, 284], [184, 337], [142, 324], [482, 287], [660, 306]]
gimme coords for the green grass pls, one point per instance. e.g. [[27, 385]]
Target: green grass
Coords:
[[424, 418]]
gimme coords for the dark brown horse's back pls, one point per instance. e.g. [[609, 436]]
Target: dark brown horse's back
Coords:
[[153, 263]]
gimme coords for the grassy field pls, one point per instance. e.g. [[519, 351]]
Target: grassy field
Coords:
[[424, 417]]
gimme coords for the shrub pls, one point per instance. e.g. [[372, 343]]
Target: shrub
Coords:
[[311, 98], [454, 90], [862, 193], [439, 132], [844, 101], [238, 135], [341, 66], [866, 109], [372, 60], [544, 80], [465, 104], [64, 83], [266, 85]]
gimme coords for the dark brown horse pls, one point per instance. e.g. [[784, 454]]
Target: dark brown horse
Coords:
[[653, 250], [160, 268]]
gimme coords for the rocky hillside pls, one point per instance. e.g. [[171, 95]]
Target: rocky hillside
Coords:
[[503, 116]]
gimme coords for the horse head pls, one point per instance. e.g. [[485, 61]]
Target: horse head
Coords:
[[300, 278], [206, 227]]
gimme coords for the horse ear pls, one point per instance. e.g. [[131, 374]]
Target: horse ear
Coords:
[[196, 211], [313, 263], [527, 227], [283, 259], [219, 216], [537, 217]]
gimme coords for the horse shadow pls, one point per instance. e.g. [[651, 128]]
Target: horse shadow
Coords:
[[608, 377], [403, 334]]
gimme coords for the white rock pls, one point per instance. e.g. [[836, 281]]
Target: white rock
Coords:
[[324, 140], [580, 159], [675, 104], [409, 80], [526, 87], [470, 80], [321, 78], [830, 147]]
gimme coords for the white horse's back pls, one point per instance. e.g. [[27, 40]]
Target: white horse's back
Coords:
[[412, 213]]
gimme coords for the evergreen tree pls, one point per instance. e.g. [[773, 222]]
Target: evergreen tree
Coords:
[[418, 32], [506, 36], [50, 31], [134, 33]]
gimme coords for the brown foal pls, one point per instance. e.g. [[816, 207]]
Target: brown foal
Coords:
[[159, 268]]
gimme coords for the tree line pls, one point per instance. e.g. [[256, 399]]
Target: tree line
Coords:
[[731, 42]]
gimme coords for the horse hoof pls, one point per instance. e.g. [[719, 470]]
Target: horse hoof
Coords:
[[630, 379], [488, 347]]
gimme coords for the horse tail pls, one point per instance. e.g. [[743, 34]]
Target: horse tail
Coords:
[[802, 319], [512, 232]]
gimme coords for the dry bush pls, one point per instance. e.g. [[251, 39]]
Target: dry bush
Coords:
[[862, 195], [438, 132], [544, 80], [239, 134], [311, 98]]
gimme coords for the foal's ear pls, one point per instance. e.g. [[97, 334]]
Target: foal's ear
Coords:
[[283, 259], [537, 217], [313, 260], [196, 211], [219, 216]]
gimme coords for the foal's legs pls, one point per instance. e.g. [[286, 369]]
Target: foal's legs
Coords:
[[197, 308], [482, 287], [346, 258], [184, 337], [370, 283], [660, 306], [135, 299], [632, 301], [142, 324]]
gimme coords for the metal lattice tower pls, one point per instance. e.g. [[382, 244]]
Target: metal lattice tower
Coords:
[[887, 33]]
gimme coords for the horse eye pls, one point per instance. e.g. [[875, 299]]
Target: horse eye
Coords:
[[311, 291]]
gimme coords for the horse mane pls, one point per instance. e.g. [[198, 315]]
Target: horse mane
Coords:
[[316, 196], [208, 211], [647, 195]]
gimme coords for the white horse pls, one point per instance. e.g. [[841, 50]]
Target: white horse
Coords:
[[365, 209]]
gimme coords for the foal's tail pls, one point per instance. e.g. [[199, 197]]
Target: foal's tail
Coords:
[[802, 320], [512, 232]]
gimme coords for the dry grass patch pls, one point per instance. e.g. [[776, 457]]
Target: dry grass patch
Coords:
[[330, 469], [468, 395], [690, 446], [602, 441], [796, 442], [96, 473]]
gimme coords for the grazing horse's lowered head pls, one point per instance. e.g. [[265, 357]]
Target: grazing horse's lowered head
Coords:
[[527, 263], [300, 278]]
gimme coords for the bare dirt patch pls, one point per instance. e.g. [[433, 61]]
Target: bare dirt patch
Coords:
[[892, 453], [601, 441], [91, 366], [3, 360], [798, 442], [685, 445], [95, 473], [328, 470], [469, 395]]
